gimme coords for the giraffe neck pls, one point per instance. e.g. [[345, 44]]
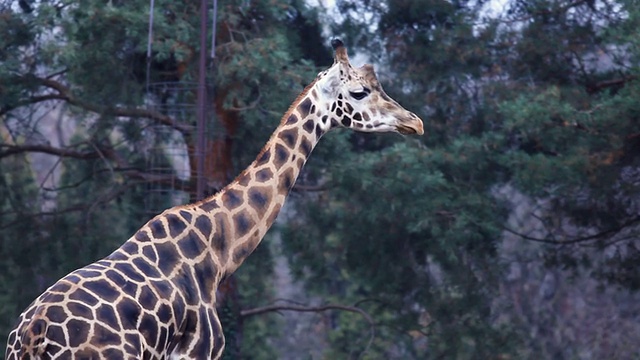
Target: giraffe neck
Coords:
[[254, 199]]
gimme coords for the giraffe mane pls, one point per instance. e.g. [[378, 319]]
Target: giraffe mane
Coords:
[[297, 100], [289, 111], [284, 118]]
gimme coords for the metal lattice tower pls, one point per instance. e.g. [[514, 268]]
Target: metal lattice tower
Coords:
[[167, 150]]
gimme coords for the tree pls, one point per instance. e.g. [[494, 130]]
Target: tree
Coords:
[[539, 99], [409, 232], [86, 63], [479, 240]]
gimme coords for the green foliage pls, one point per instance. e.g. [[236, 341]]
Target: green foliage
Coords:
[[397, 230], [543, 100], [18, 236], [91, 57], [92, 218], [253, 294]]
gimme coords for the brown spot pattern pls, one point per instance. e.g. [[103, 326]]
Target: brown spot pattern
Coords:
[[281, 156], [289, 137], [308, 126], [304, 107], [264, 175]]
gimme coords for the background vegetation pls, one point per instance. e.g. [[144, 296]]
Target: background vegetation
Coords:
[[510, 230]]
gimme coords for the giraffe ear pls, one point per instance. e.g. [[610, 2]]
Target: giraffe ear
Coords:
[[331, 81], [369, 73]]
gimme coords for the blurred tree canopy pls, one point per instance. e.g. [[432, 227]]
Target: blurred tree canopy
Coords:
[[508, 231], [536, 99], [80, 102]]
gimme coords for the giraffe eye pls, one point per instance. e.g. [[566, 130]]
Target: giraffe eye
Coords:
[[358, 95]]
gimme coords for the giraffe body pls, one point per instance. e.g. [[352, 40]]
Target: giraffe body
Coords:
[[154, 297]]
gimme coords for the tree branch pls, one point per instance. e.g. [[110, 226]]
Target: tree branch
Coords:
[[300, 308], [253, 104], [115, 111], [600, 235], [122, 166], [599, 86], [8, 150], [59, 91], [311, 188], [63, 93], [85, 207], [543, 12]]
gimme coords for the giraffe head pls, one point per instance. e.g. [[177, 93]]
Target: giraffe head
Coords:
[[356, 99]]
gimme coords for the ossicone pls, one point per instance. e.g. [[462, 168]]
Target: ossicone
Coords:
[[340, 51]]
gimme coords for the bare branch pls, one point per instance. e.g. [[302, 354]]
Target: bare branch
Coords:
[[80, 207], [62, 92], [59, 91], [597, 236], [57, 73], [311, 188], [8, 150], [248, 107], [122, 166], [115, 111], [597, 87], [543, 12], [300, 308]]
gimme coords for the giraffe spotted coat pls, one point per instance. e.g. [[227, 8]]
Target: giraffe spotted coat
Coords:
[[154, 297]]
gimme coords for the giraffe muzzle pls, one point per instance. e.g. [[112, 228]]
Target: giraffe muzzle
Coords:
[[412, 126]]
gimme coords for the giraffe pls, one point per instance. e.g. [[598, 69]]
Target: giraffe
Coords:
[[154, 297]]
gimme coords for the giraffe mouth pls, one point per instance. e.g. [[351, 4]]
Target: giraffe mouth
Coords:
[[413, 128]]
